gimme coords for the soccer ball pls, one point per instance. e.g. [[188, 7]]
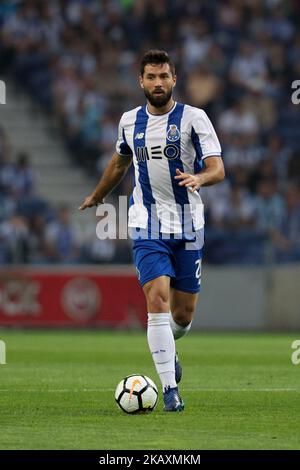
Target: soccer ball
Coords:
[[136, 394]]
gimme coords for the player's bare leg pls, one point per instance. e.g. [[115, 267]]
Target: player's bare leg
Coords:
[[157, 294], [161, 340], [183, 306]]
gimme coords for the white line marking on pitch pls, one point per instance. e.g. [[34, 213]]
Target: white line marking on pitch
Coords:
[[105, 390]]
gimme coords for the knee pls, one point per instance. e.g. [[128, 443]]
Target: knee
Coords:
[[183, 315], [157, 301]]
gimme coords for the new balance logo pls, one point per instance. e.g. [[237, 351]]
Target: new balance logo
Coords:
[[139, 135]]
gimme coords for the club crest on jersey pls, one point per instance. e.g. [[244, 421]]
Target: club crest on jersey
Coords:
[[173, 133]]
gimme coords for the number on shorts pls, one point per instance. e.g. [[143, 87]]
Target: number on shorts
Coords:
[[198, 270]]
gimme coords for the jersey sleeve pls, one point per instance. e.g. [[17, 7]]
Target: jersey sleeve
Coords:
[[204, 137], [122, 147]]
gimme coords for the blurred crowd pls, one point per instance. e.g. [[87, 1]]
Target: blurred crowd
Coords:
[[237, 60], [34, 231]]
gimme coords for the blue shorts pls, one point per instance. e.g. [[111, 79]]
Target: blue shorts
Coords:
[[154, 258]]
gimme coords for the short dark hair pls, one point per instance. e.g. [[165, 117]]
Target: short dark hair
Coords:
[[156, 56]]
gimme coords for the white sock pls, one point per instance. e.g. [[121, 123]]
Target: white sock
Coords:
[[162, 347], [178, 330]]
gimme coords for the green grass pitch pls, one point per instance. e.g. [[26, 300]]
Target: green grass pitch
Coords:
[[57, 392]]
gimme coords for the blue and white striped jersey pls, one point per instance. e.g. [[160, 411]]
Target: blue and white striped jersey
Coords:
[[160, 144]]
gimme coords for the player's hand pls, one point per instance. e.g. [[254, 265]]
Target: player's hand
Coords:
[[89, 201], [192, 182]]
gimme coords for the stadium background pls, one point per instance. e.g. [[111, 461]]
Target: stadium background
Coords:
[[70, 68]]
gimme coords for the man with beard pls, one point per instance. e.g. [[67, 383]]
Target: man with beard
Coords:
[[175, 151]]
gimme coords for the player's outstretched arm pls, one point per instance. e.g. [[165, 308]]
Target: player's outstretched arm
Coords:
[[113, 174], [213, 173]]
